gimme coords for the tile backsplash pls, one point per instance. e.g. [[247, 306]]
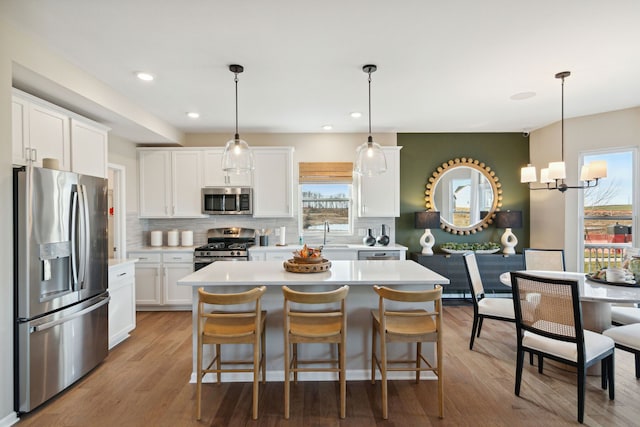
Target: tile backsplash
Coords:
[[139, 230]]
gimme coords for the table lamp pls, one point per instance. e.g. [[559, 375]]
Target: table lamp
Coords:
[[427, 220], [508, 220]]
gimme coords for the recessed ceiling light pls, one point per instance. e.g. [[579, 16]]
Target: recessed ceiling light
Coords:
[[522, 95], [356, 114], [327, 127], [193, 115], [144, 76]]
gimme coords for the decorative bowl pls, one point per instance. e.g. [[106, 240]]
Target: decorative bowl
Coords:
[[308, 260]]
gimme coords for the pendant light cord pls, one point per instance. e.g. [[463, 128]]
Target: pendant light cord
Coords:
[[562, 121], [235, 79], [369, 104]]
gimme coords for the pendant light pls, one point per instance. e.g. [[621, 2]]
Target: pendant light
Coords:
[[370, 159], [237, 157], [554, 175]]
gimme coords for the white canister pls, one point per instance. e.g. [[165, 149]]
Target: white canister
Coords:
[[283, 234], [156, 238], [172, 238], [186, 238]]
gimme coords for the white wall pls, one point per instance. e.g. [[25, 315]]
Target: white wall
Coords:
[[553, 215], [123, 152], [7, 416], [19, 51]]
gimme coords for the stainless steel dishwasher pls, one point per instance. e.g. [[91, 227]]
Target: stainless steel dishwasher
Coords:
[[378, 255]]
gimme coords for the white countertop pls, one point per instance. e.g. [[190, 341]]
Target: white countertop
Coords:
[[272, 273], [329, 247], [163, 249], [114, 262]]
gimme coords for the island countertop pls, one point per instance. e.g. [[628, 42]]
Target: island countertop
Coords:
[[272, 273], [234, 276]]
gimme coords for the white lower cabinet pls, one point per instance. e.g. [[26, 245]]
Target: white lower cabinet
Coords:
[[157, 274], [122, 306], [340, 254]]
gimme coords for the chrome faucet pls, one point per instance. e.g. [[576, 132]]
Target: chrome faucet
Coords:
[[325, 231]]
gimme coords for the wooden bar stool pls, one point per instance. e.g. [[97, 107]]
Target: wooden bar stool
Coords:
[[324, 326], [409, 326], [223, 326]]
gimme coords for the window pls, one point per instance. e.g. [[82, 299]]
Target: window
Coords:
[[608, 211], [325, 202]]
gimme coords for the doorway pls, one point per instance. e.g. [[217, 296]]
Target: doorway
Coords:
[[116, 224]]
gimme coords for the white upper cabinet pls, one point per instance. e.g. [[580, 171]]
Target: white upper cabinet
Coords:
[[20, 130], [273, 182], [169, 183], [186, 169], [88, 148], [44, 130], [39, 131], [214, 176], [379, 196]]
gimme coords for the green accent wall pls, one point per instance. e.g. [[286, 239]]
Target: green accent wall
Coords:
[[422, 153]]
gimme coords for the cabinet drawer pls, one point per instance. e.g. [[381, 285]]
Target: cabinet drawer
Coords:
[[178, 257], [146, 257], [120, 274]]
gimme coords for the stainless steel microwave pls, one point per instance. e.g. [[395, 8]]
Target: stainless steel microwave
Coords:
[[227, 200]]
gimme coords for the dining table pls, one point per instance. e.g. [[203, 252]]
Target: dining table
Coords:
[[596, 297]]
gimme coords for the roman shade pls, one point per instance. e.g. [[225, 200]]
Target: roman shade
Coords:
[[310, 172]]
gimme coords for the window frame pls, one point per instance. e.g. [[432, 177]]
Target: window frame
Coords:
[[635, 197], [310, 233]]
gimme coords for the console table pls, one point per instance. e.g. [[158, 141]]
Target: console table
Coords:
[[491, 266]]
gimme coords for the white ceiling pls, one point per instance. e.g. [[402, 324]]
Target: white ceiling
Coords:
[[443, 66]]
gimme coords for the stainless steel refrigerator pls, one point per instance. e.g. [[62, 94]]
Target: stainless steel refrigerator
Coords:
[[61, 275]]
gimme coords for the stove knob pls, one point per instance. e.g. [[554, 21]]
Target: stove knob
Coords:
[[208, 253], [232, 253]]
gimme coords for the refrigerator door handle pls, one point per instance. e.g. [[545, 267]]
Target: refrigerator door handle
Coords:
[[87, 233], [80, 313], [74, 249]]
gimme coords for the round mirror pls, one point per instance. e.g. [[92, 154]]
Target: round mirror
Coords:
[[467, 194]]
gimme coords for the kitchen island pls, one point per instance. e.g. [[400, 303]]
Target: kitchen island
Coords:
[[227, 277]]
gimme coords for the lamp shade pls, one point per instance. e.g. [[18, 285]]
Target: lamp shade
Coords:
[[509, 219], [427, 220]]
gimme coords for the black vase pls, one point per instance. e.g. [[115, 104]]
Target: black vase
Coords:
[[369, 240], [383, 239]]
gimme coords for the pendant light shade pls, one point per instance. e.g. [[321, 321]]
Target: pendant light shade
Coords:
[[237, 157], [370, 159]]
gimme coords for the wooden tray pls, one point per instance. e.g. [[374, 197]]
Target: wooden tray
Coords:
[[293, 267]]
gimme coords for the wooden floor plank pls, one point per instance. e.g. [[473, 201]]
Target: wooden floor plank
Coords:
[[143, 382]]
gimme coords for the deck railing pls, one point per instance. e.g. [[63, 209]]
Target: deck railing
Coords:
[[601, 255]]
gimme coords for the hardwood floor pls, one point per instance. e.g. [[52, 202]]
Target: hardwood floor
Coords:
[[143, 382]]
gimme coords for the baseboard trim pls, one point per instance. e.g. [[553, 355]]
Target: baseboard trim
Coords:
[[9, 420], [278, 376]]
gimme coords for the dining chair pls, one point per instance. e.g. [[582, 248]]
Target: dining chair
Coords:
[[222, 325], [326, 324], [489, 308], [414, 325], [550, 326], [622, 314], [544, 259], [627, 338]]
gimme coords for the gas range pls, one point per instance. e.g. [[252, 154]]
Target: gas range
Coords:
[[225, 244]]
